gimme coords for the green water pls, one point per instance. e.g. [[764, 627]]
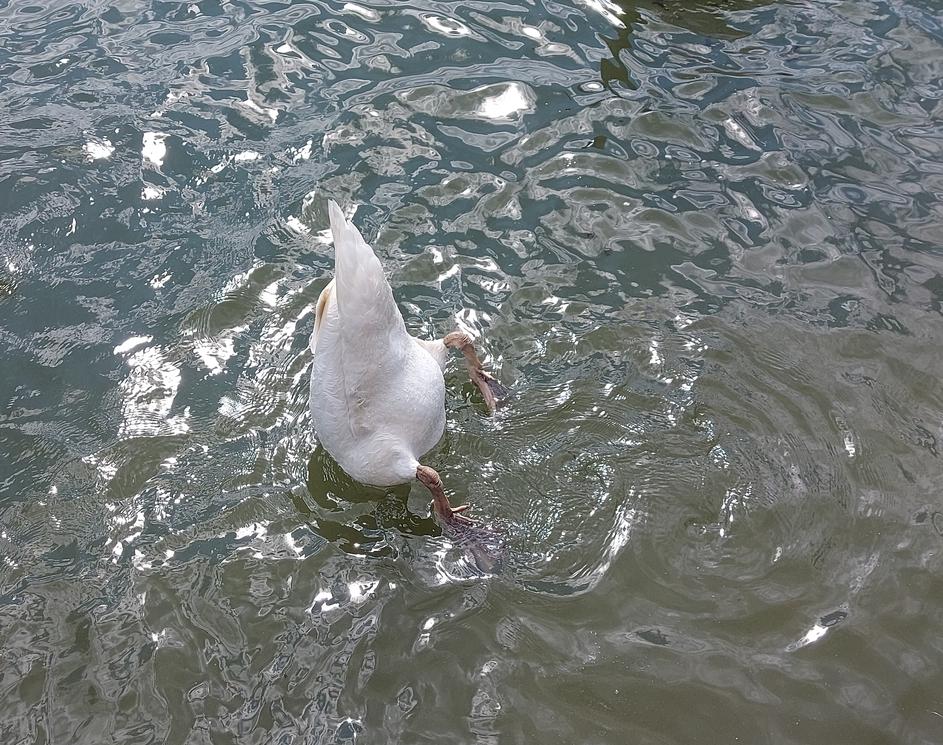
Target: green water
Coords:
[[701, 244]]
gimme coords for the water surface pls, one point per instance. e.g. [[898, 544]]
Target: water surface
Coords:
[[701, 243]]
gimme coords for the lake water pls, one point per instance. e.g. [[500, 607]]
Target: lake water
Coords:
[[699, 241]]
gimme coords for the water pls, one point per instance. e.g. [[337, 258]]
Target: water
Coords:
[[701, 244]]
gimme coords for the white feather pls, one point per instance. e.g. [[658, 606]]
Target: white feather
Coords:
[[377, 394]]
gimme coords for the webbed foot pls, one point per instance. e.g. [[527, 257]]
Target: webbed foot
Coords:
[[445, 513], [492, 391]]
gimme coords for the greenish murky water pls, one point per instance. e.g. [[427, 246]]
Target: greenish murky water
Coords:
[[700, 240]]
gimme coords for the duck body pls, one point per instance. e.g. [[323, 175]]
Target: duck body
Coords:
[[377, 394]]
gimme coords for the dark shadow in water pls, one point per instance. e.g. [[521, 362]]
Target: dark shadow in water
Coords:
[[337, 495], [707, 18]]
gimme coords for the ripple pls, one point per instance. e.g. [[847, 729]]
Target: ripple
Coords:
[[701, 243], [446, 26], [501, 102]]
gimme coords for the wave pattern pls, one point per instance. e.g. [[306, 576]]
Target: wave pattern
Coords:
[[703, 244]]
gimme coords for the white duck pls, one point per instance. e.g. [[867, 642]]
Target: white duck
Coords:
[[377, 393]]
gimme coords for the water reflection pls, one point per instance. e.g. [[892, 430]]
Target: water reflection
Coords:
[[700, 241], [148, 392]]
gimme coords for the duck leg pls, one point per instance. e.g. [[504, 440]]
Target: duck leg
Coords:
[[490, 388], [444, 511]]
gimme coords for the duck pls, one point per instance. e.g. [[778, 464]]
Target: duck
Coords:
[[377, 393]]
